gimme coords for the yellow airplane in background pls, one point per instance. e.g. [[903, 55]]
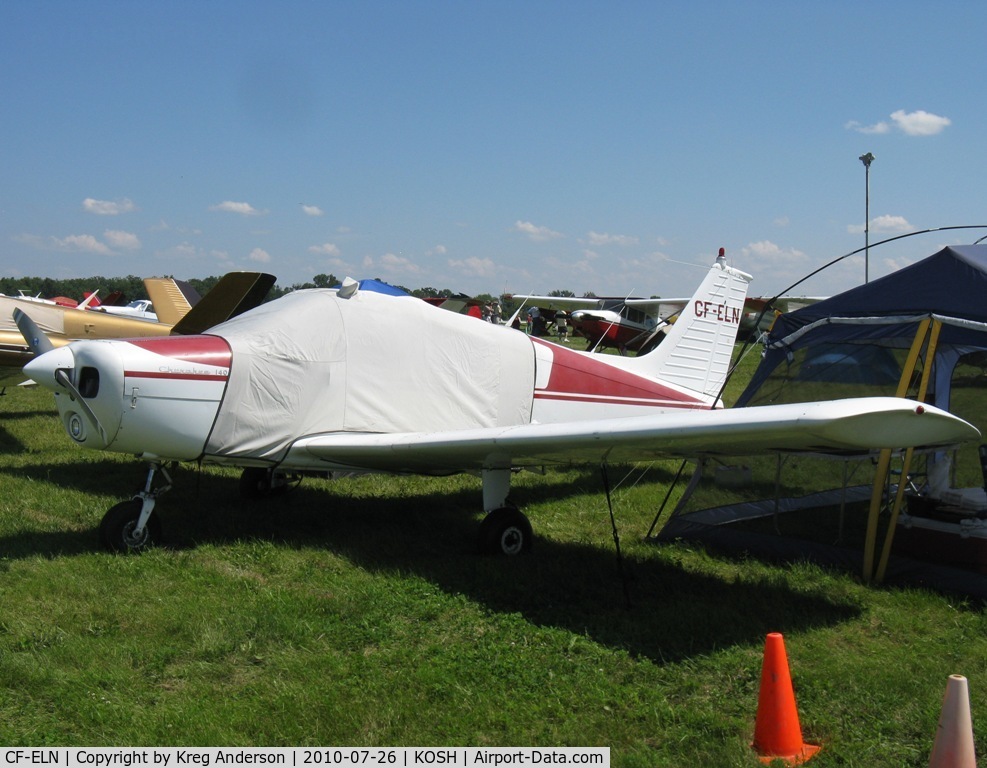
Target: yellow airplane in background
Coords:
[[179, 308]]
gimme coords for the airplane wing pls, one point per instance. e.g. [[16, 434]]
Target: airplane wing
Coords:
[[851, 426], [556, 302]]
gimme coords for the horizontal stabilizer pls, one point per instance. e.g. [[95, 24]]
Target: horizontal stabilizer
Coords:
[[234, 294]]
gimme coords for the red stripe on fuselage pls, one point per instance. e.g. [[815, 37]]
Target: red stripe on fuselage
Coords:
[[174, 375], [185, 351], [202, 349], [584, 378]]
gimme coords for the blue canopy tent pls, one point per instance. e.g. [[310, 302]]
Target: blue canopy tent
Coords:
[[919, 332], [849, 338]]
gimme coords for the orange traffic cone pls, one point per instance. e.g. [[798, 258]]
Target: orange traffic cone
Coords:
[[953, 747], [777, 734]]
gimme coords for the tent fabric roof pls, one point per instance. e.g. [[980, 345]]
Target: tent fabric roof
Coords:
[[951, 283]]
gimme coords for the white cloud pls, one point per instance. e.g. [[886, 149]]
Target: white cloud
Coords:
[[762, 253], [391, 263], [439, 250], [85, 243], [244, 209], [312, 210], [34, 241], [884, 223], [597, 238], [877, 128], [125, 240], [474, 266], [920, 123], [185, 250], [108, 207], [891, 224], [259, 255], [326, 249], [536, 233]]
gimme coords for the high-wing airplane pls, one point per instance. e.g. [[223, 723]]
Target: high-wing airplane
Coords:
[[142, 309], [395, 385], [638, 324], [623, 323], [234, 293]]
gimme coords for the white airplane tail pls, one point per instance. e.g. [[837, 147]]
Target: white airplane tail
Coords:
[[696, 352]]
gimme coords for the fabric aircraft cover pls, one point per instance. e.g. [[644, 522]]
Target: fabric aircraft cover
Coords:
[[314, 362], [859, 337]]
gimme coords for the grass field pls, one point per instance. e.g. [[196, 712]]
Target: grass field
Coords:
[[356, 613]]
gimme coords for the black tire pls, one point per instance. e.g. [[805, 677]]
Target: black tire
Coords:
[[505, 531], [255, 483], [261, 483], [118, 524]]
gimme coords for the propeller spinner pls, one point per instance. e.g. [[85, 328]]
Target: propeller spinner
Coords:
[[52, 368]]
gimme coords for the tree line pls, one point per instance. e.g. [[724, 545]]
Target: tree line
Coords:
[[132, 287]]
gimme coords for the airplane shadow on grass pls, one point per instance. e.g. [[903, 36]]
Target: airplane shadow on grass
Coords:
[[673, 613], [10, 445]]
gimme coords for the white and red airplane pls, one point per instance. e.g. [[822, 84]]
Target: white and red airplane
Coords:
[[624, 324], [337, 380], [638, 325]]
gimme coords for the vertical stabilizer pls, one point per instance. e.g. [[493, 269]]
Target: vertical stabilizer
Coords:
[[234, 294], [171, 299], [696, 352]]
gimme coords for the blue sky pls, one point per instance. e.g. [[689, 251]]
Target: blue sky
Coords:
[[488, 146]]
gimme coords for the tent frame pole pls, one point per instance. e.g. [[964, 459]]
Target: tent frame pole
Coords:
[[928, 330]]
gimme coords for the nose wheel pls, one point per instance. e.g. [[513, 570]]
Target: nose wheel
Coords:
[[132, 526], [121, 531]]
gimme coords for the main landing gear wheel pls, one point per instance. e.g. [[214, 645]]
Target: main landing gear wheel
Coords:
[[116, 531], [260, 482], [505, 531]]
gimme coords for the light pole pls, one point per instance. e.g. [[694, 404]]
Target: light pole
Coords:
[[867, 160]]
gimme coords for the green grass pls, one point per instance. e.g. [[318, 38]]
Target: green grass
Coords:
[[355, 613]]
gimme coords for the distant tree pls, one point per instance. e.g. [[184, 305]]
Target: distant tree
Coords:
[[132, 287], [562, 294], [325, 281], [427, 292]]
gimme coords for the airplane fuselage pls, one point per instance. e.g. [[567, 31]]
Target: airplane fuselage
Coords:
[[163, 397]]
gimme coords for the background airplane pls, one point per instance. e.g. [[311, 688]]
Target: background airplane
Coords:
[[637, 325], [236, 292], [142, 309], [622, 323], [393, 385]]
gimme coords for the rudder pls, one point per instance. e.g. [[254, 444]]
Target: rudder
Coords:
[[696, 352]]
